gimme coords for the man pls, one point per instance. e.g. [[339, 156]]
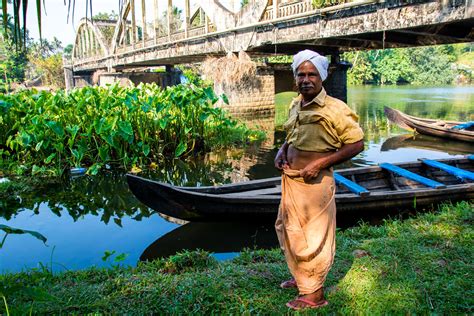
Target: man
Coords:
[[321, 132]]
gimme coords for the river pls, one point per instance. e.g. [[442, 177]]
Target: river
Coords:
[[87, 216]]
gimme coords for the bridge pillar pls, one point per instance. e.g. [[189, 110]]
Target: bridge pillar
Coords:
[[68, 77], [336, 82], [252, 99]]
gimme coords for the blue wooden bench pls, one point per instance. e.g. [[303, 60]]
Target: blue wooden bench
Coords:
[[412, 176], [463, 125], [351, 185], [460, 173]]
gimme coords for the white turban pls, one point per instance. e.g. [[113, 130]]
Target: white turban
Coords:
[[320, 62]]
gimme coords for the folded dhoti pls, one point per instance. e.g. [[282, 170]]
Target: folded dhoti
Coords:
[[306, 226]]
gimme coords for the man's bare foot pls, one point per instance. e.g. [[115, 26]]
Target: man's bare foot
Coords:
[[313, 300]]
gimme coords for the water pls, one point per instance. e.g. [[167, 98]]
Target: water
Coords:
[[86, 217]]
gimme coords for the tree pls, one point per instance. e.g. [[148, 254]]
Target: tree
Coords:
[[67, 52], [12, 60], [46, 61]]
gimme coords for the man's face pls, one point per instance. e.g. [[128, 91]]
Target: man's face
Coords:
[[308, 80]]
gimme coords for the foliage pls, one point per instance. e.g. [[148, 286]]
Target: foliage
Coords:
[[51, 69], [44, 48], [46, 62], [431, 65], [19, 36], [67, 52], [107, 31], [49, 132], [12, 61], [286, 59], [318, 4], [417, 266], [176, 21]]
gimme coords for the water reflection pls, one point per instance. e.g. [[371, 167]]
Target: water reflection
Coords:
[[225, 239], [106, 196], [219, 238], [427, 142]]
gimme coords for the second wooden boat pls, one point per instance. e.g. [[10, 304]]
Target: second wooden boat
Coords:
[[463, 131], [374, 188]]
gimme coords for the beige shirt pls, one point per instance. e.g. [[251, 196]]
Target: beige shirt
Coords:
[[324, 124]]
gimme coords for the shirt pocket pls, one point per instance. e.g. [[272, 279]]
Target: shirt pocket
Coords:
[[309, 117], [316, 132]]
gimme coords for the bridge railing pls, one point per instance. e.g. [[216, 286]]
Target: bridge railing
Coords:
[[288, 9], [284, 10]]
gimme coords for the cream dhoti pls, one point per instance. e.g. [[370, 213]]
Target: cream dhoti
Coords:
[[306, 227]]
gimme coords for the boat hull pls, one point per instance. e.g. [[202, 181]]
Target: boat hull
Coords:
[[429, 127], [232, 202]]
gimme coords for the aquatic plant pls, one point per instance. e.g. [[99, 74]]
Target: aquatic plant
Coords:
[[114, 126]]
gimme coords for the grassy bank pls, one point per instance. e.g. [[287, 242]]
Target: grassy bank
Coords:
[[282, 107], [420, 265]]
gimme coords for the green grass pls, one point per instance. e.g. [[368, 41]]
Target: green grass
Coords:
[[282, 106], [467, 59], [421, 265]]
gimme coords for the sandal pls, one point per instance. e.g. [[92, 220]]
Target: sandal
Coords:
[[308, 304]]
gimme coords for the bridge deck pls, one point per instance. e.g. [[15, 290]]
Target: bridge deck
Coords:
[[363, 24]]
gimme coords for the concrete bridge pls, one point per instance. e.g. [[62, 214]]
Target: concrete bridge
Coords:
[[138, 39]]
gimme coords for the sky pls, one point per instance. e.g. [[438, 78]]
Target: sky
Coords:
[[54, 23]]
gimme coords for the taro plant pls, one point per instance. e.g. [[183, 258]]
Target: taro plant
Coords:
[[11, 230], [113, 126]]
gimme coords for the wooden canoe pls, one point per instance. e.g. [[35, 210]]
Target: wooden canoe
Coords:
[[439, 128], [382, 189]]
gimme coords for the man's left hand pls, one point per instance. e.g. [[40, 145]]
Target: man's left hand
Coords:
[[310, 171]]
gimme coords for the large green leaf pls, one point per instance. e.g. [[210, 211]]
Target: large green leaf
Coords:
[[56, 128], [180, 149], [126, 127], [163, 122], [12, 230]]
